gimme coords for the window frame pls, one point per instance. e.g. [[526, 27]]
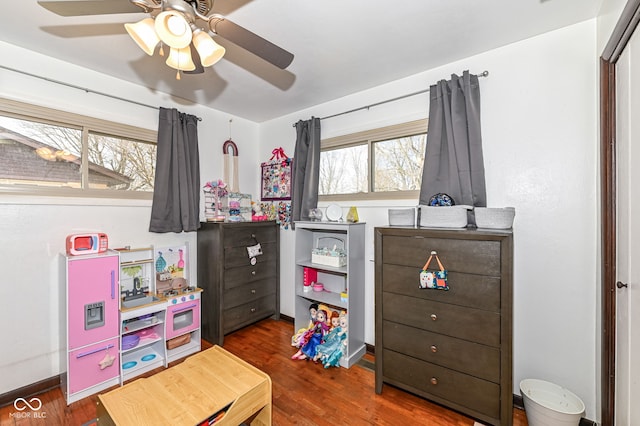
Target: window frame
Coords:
[[368, 138], [25, 111]]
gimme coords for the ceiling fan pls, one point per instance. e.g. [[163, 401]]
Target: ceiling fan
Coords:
[[183, 25]]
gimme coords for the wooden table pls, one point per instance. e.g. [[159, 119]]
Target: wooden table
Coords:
[[191, 393]]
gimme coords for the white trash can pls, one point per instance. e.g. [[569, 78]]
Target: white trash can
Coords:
[[547, 404]]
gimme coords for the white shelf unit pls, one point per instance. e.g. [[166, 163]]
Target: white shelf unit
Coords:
[[148, 322], [349, 278]]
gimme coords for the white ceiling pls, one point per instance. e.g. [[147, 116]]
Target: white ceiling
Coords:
[[340, 46]]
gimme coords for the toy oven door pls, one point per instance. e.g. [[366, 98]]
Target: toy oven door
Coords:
[[183, 318]]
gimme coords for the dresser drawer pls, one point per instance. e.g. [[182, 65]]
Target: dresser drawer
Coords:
[[470, 324], [241, 275], [430, 379], [237, 255], [480, 257], [248, 292], [248, 313], [243, 236], [460, 355], [475, 291]]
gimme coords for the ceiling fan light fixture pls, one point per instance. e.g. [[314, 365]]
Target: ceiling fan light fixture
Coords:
[[144, 34], [180, 59], [173, 29], [210, 52]]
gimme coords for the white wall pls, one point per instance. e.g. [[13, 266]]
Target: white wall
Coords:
[[610, 12], [33, 229], [540, 145]]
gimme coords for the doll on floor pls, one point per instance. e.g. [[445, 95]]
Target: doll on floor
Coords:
[[335, 343], [296, 339], [314, 337]]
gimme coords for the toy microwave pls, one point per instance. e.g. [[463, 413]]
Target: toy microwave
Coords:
[[87, 243]]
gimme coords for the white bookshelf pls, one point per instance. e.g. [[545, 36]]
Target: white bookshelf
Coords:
[[336, 280]]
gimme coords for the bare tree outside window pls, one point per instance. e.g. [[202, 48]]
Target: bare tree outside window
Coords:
[[41, 154], [343, 171], [133, 159], [398, 163], [386, 162]]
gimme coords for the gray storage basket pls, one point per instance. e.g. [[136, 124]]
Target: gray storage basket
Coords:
[[402, 217], [495, 218], [444, 216]]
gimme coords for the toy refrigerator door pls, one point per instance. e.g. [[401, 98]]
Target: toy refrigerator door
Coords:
[[92, 299], [93, 365]]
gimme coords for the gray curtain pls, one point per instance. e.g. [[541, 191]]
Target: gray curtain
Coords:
[[305, 169], [453, 162], [176, 193]]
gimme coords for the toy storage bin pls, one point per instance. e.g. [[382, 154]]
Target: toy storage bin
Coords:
[[178, 341], [494, 218], [444, 216], [547, 404], [335, 256], [402, 217]]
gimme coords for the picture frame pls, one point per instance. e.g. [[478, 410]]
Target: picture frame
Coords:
[[276, 179]]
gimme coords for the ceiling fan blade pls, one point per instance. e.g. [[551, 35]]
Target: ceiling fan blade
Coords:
[[89, 7], [251, 42]]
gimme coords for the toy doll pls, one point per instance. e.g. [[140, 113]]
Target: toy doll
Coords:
[[313, 337], [330, 352], [335, 319], [296, 338]]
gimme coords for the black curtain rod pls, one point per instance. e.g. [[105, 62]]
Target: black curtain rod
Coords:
[[482, 74], [73, 86]]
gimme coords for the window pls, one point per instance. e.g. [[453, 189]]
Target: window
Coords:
[[49, 152], [382, 163]]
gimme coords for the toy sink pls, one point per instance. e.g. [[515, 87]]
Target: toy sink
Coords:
[[139, 301]]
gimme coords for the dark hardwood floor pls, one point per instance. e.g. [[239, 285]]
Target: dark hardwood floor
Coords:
[[304, 393]]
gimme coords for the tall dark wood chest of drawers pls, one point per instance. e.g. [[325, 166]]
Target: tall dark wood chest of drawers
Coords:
[[452, 347], [237, 291]]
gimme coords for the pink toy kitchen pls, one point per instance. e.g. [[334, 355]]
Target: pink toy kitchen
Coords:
[[125, 312]]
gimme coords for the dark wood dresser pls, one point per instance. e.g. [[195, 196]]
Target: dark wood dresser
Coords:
[[237, 292], [452, 347]]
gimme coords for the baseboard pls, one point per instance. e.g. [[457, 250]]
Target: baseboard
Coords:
[[286, 318], [29, 390], [518, 402]]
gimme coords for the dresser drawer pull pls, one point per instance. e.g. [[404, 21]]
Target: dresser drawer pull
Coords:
[[253, 272], [434, 348], [434, 381], [253, 310], [253, 291], [434, 317], [253, 236]]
